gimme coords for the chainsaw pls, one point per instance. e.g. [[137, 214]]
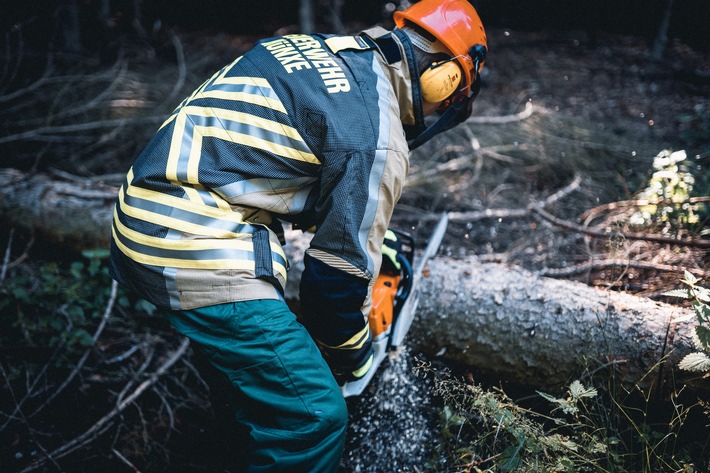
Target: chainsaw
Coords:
[[395, 296]]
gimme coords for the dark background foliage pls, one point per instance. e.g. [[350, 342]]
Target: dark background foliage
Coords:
[[689, 18]]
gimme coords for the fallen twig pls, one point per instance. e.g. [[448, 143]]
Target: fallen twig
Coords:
[[82, 360], [43, 133], [125, 461], [484, 214], [527, 112], [6, 259], [605, 263], [543, 214], [592, 213], [105, 422], [182, 70]]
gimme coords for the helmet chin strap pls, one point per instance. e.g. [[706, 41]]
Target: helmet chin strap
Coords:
[[457, 112]]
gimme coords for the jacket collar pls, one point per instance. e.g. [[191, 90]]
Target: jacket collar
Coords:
[[403, 76]]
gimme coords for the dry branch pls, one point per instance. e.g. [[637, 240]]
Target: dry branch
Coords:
[[606, 263], [80, 364], [527, 112], [106, 421], [611, 206], [599, 233]]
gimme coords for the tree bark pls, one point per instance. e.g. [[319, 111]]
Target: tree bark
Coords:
[[499, 321], [511, 324], [74, 214]]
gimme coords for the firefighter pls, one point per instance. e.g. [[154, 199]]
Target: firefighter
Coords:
[[315, 131]]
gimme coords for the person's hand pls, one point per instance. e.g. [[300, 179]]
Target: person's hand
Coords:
[[353, 373]]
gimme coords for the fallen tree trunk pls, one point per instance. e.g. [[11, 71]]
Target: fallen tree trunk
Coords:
[[541, 332], [499, 321], [75, 214]]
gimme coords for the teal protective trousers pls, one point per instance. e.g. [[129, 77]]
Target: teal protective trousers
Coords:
[[280, 390]]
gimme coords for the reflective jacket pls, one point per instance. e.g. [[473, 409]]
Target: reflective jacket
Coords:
[[303, 129]]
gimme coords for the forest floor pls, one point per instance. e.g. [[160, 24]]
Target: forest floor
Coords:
[[566, 126], [592, 113]]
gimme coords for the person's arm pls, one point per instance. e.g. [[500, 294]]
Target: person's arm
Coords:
[[358, 193]]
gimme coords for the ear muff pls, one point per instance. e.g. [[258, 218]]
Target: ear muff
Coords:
[[440, 81]]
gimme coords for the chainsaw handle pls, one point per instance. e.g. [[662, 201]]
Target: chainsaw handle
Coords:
[[405, 284]]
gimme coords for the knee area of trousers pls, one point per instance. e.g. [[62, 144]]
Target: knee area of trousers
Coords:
[[334, 417]]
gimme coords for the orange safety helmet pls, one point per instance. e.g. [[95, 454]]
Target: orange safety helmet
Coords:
[[457, 25]]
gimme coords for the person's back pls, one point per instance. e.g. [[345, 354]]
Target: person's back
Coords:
[[269, 137]]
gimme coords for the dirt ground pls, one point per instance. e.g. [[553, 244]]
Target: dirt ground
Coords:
[[599, 108]]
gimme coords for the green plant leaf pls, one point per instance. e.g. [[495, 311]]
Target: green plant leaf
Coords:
[[702, 311], [703, 334], [96, 254], [695, 362], [578, 391], [677, 293], [510, 458], [689, 278]]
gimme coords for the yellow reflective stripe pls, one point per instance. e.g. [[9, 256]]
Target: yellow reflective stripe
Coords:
[[193, 195], [198, 132], [355, 342], [247, 118], [281, 269], [255, 99], [360, 372], [258, 143], [179, 263], [174, 223], [183, 204], [221, 203], [182, 245], [244, 80], [194, 245], [276, 248], [191, 263], [273, 104], [193, 160], [175, 146], [252, 120], [170, 119]]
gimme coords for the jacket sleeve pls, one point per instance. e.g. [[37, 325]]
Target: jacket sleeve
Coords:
[[358, 193]]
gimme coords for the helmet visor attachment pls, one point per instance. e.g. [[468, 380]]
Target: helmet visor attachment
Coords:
[[457, 110]]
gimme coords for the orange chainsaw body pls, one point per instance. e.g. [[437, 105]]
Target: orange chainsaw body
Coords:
[[383, 296]]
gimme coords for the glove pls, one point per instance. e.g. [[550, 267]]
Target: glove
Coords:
[[345, 375], [348, 364], [390, 248]]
